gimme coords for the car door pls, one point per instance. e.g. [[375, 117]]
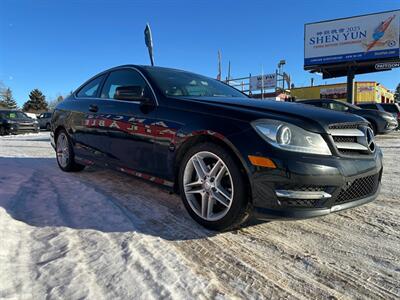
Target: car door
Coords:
[[86, 134], [129, 122]]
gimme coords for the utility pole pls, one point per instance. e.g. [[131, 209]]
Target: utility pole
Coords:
[[229, 71], [350, 84], [219, 76], [262, 82]]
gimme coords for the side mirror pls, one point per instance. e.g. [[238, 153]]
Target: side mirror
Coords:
[[131, 93]]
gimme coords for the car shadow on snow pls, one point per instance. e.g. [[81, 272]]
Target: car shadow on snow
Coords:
[[36, 192]]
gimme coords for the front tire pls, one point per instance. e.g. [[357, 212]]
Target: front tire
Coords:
[[65, 153], [213, 188]]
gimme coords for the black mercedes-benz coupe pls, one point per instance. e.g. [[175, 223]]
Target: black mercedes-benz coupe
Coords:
[[228, 156]]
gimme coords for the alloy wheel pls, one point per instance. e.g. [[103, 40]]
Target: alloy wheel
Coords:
[[208, 186], [63, 150]]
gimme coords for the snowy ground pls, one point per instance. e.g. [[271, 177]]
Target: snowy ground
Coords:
[[100, 234]]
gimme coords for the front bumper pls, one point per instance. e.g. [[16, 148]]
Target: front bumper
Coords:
[[305, 213], [16, 128], [342, 183]]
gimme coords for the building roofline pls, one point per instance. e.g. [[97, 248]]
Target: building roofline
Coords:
[[340, 83]]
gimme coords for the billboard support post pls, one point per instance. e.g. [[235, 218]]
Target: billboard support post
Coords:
[[350, 84]]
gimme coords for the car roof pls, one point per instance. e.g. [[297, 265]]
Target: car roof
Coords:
[[143, 67]]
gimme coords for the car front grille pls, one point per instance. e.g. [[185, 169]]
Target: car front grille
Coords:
[[349, 138], [299, 203], [344, 126], [345, 139], [359, 188]]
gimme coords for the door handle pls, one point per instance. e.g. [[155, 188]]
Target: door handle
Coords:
[[93, 108]]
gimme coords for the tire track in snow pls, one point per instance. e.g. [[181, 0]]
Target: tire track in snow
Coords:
[[210, 260], [166, 226], [136, 223], [326, 273]]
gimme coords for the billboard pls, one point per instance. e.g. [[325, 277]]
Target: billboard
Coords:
[[363, 38], [268, 80]]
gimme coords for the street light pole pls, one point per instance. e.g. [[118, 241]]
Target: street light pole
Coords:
[[350, 85]]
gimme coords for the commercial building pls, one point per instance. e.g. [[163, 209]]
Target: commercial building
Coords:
[[364, 92]]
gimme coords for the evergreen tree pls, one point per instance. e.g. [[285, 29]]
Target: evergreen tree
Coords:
[[397, 93], [36, 103], [7, 100]]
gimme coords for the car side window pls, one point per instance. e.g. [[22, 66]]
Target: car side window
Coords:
[[338, 106], [325, 105], [316, 103], [125, 79], [90, 89]]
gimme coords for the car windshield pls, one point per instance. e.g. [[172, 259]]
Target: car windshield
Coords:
[[14, 115], [176, 83]]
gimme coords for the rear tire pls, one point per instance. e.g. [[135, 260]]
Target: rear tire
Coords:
[[65, 153], [48, 127], [213, 188]]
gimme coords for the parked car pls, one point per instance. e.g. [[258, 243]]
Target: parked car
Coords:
[[228, 156], [393, 108], [380, 122], [15, 121], [44, 120]]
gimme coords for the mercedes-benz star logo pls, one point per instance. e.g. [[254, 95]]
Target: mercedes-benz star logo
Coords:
[[370, 139]]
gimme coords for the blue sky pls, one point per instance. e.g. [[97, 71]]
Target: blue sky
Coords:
[[56, 45]]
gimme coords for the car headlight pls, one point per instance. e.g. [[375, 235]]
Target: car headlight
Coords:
[[290, 137], [11, 121]]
